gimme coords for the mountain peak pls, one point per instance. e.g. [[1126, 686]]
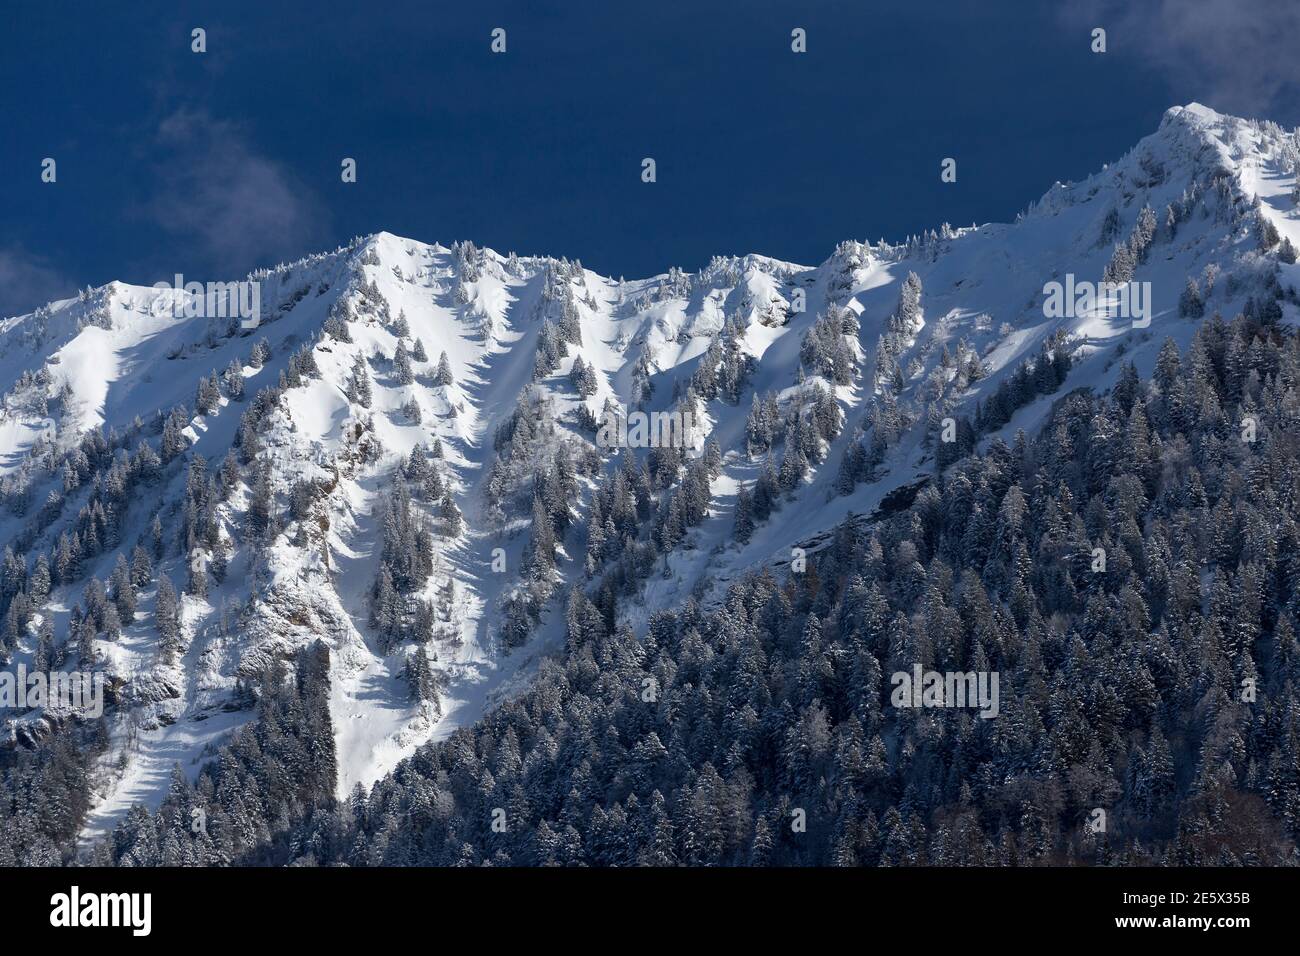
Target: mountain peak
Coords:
[[1194, 113]]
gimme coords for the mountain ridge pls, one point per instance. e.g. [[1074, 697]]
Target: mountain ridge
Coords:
[[304, 564]]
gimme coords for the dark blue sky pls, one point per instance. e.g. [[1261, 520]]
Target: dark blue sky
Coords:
[[212, 164]]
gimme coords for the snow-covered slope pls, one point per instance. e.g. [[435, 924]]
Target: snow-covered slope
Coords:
[[86, 381]]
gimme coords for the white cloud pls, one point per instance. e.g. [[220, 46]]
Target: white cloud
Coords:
[[241, 208], [1238, 56], [26, 282]]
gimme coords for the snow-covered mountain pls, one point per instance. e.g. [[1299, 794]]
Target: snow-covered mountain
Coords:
[[326, 475]]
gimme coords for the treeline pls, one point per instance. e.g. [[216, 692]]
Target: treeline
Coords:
[[1030, 381]]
